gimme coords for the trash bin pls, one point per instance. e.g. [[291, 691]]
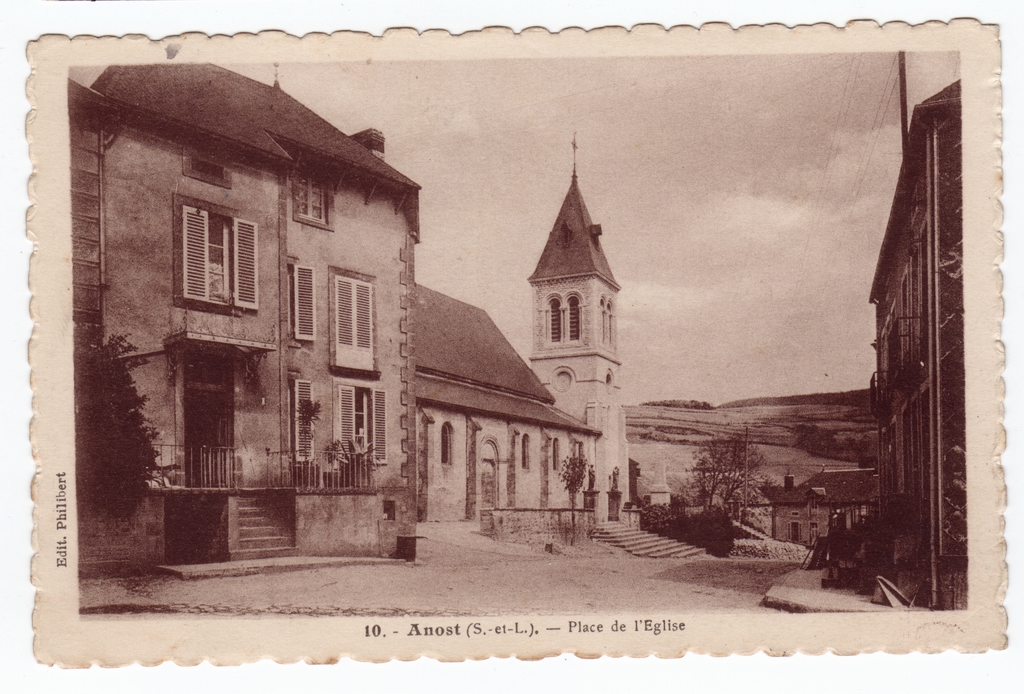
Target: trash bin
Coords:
[[406, 548]]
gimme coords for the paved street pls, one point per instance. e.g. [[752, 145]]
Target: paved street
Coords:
[[459, 572]]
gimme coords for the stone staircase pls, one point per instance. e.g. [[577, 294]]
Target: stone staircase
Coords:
[[643, 544], [753, 532], [266, 527]]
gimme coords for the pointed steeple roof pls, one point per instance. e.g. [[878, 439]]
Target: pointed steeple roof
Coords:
[[574, 245]]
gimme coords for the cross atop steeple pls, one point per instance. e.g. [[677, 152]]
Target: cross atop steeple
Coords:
[[574, 148]]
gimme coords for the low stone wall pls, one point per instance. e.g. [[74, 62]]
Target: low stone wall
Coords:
[[631, 517], [112, 545], [540, 526], [343, 525]]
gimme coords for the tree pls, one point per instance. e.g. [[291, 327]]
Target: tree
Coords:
[[720, 470], [574, 471], [114, 442]]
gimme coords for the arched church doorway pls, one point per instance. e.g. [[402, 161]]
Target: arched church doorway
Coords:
[[488, 476]]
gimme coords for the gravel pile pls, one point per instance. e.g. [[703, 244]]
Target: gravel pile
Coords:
[[768, 549]]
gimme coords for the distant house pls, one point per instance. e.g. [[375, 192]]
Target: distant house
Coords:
[[917, 392], [802, 513]]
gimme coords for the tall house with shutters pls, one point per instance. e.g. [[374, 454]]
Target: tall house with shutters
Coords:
[[261, 263], [575, 339], [917, 391]]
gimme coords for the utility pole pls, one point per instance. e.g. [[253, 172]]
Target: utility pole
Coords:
[[746, 448], [904, 128]]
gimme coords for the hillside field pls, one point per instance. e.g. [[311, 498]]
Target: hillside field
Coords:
[[796, 439]]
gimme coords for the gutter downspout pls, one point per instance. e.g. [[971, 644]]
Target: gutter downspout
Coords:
[[933, 364]]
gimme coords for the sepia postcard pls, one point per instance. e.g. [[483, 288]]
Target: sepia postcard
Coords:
[[619, 342]]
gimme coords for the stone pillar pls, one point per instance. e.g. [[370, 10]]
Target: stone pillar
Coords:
[[660, 493]]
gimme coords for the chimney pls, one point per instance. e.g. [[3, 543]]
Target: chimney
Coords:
[[373, 140], [787, 483]]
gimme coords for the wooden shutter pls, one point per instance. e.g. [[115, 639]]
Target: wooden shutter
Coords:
[[343, 301], [380, 425], [353, 323], [305, 303], [195, 233], [345, 415], [303, 432], [364, 316], [246, 265]]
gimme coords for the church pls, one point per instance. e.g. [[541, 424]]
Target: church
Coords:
[[493, 431]]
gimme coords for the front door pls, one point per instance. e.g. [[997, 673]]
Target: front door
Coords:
[[209, 419], [794, 531], [488, 477]]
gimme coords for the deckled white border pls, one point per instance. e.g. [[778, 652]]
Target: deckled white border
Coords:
[[816, 39]]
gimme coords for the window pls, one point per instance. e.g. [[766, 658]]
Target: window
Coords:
[[302, 433], [353, 344], [555, 454], [794, 532], [574, 318], [206, 171], [556, 320], [303, 303], [446, 443], [220, 259], [611, 324], [814, 532], [604, 321], [526, 451], [361, 418], [309, 199]]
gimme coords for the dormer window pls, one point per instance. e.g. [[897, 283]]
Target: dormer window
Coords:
[[309, 199]]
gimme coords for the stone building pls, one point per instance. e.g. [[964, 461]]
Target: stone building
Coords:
[[802, 513], [918, 389], [258, 259]]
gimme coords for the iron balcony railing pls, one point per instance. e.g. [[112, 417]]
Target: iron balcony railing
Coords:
[[881, 395], [205, 467], [196, 467], [906, 351], [323, 470]]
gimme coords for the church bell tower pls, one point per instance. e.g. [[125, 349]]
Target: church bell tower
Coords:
[[575, 340]]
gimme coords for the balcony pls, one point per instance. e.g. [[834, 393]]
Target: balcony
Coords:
[[322, 470], [195, 467], [881, 395], [906, 350], [220, 468]]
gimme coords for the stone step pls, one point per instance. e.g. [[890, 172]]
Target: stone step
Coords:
[[679, 549], [646, 537], [644, 544], [248, 532], [622, 537], [267, 553], [655, 548], [266, 542]]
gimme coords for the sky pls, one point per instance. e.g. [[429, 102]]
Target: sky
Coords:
[[742, 199]]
